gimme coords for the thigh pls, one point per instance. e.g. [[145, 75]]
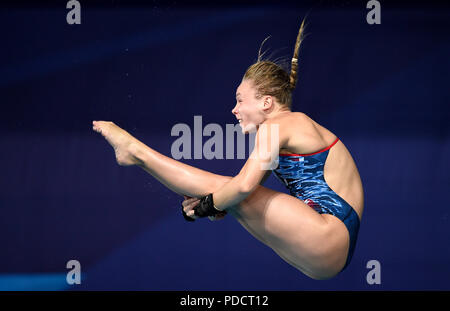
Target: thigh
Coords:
[[315, 244]]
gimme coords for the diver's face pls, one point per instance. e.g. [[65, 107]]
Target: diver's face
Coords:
[[248, 109]]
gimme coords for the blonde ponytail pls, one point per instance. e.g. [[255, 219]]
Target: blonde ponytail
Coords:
[[294, 62], [270, 78]]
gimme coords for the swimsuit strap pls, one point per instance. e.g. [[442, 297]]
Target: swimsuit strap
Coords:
[[310, 154]]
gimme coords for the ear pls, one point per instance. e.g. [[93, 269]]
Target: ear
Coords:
[[267, 102]]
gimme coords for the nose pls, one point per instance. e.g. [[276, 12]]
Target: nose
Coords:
[[235, 109]]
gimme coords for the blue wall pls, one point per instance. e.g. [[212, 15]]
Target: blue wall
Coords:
[[382, 89]]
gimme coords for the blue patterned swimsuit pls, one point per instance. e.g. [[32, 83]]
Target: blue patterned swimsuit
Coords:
[[302, 174]]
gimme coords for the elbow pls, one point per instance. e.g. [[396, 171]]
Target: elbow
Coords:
[[246, 188], [247, 183]]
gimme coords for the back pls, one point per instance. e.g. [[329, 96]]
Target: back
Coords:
[[306, 136]]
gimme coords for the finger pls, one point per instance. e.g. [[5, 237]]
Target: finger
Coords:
[[194, 202], [191, 200], [190, 205], [189, 209]]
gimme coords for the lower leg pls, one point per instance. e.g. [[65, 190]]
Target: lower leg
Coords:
[[175, 175]]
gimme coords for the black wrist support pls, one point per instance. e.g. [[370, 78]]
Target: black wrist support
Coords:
[[206, 207]]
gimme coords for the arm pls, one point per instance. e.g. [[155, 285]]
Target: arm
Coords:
[[257, 168], [189, 204]]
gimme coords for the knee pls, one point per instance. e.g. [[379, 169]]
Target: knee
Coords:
[[328, 262]]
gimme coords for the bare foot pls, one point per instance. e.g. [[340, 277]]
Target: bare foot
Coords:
[[119, 139]]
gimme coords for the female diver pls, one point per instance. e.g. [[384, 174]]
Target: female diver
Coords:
[[314, 228]]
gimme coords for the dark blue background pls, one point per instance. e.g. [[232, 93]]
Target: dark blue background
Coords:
[[382, 89]]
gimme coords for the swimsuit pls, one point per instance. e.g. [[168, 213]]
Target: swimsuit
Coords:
[[302, 174]]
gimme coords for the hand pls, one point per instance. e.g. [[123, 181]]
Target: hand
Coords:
[[190, 203], [188, 206]]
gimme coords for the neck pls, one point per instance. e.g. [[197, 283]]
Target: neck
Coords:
[[278, 112]]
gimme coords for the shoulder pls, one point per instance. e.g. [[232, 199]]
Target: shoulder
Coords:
[[302, 134], [284, 126], [292, 123], [290, 118], [306, 135]]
